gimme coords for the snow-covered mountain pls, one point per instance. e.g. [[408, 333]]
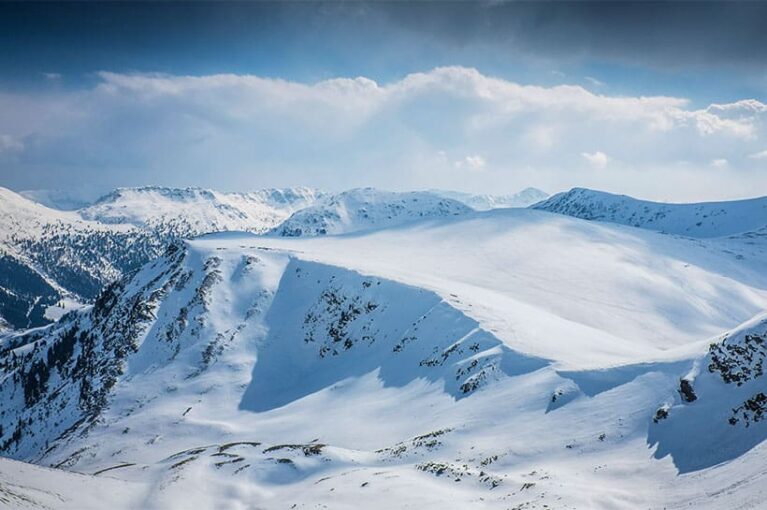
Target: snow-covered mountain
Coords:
[[186, 212], [507, 359], [708, 219], [47, 255], [50, 257], [524, 198], [367, 208]]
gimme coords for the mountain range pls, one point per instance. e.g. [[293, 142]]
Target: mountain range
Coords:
[[369, 349], [54, 260]]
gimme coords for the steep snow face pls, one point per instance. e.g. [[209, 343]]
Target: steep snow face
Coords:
[[20, 214], [365, 209], [703, 220], [327, 325], [69, 368], [190, 368], [721, 402], [584, 293], [311, 326], [187, 212], [524, 198]]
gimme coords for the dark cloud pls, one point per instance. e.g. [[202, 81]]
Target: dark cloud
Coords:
[[654, 33], [304, 40]]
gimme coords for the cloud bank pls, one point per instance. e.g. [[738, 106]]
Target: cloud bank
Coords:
[[425, 130]]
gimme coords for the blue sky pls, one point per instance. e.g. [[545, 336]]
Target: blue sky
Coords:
[[474, 96]]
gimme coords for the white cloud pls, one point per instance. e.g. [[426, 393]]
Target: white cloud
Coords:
[[720, 163], [596, 159], [494, 100], [759, 155], [739, 108], [232, 130], [475, 162]]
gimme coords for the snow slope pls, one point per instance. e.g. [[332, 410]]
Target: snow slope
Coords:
[[367, 208], [721, 401], [506, 359], [615, 293], [192, 211], [524, 198], [703, 220], [28, 486]]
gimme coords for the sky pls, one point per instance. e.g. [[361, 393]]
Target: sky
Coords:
[[665, 101]]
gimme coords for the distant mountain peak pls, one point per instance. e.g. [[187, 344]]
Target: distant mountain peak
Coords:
[[367, 208], [485, 202], [192, 211], [703, 220]]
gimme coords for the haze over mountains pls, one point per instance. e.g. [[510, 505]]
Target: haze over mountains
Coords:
[[364, 347]]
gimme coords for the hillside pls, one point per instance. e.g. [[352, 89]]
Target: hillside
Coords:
[[29, 486], [702, 220]]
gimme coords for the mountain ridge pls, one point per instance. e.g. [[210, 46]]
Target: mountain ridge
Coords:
[[194, 211], [702, 220], [367, 208]]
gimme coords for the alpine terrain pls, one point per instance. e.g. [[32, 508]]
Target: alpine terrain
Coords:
[[370, 349], [54, 260]]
